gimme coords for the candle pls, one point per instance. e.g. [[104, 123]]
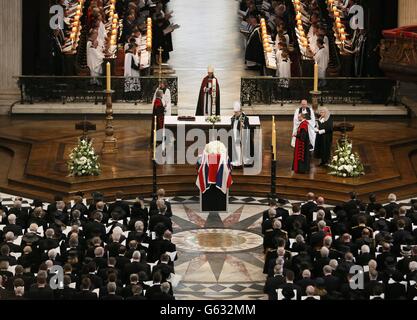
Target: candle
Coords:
[[274, 139], [154, 139], [316, 77], [108, 75]]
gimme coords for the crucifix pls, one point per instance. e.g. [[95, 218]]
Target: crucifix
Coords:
[[160, 50]]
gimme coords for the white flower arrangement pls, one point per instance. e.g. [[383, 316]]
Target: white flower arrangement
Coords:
[[83, 161], [213, 119], [215, 147], [345, 163]]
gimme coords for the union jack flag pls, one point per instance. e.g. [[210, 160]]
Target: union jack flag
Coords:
[[214, 169]]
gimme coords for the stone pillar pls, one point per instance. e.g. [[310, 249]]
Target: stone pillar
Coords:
[[10, 50], [407, 12]]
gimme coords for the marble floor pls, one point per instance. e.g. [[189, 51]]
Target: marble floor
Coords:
[[219, 254], [208, 35]]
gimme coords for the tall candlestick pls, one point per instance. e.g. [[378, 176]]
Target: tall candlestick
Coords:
[[108, 76], [154, 139], [274, 139], [316, 77]]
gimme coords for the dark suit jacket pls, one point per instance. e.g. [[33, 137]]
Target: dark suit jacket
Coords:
[[16, 229], [36, 293], [153, 208], [159, 218], [135, 267], [272, 284], [307, 209], [390, 207], [293, 287], [95, 228], [331, 283], [151, 291], [164, 269]]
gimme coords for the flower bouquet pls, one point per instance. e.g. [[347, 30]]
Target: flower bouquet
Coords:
[[345, 163], [213, 119], [83, 161]]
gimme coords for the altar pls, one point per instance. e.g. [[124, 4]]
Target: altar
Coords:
[[200, 122], [178, 127]]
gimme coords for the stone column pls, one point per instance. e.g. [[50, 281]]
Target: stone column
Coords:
[[10, 50], [407, 12]]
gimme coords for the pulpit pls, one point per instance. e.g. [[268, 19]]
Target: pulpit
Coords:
[[214, 178]]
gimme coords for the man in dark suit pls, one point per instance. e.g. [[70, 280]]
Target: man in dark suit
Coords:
[[49, 242], [343, 269], [392, 205], [352, 207], [85, 293], [120, 206], [111, 293], [160, 218], [305, 281], [136, 293], [296, 222], [331, 283], [289, 284], [154, 208], [309, 207], [356, 231], [274, 282], [133, 281], [164, 293], [135, 267], [401, 236], [402, 215], [22, 214], [12, 226], [373, 285], [121, 259], [67, 293], [95, 281], [40, 290], [9, 238], [322, 261], [155, 289], [163, 267], [166, 244], [95, 228]]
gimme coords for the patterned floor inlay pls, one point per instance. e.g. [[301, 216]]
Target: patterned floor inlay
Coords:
[[216, 240]]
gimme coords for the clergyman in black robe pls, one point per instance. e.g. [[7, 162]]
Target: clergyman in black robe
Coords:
[[254, 53], [205, 98], [324, 137]]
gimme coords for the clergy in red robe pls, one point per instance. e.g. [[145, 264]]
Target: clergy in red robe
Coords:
[[159, 113], [301, 162], [206, 95]]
